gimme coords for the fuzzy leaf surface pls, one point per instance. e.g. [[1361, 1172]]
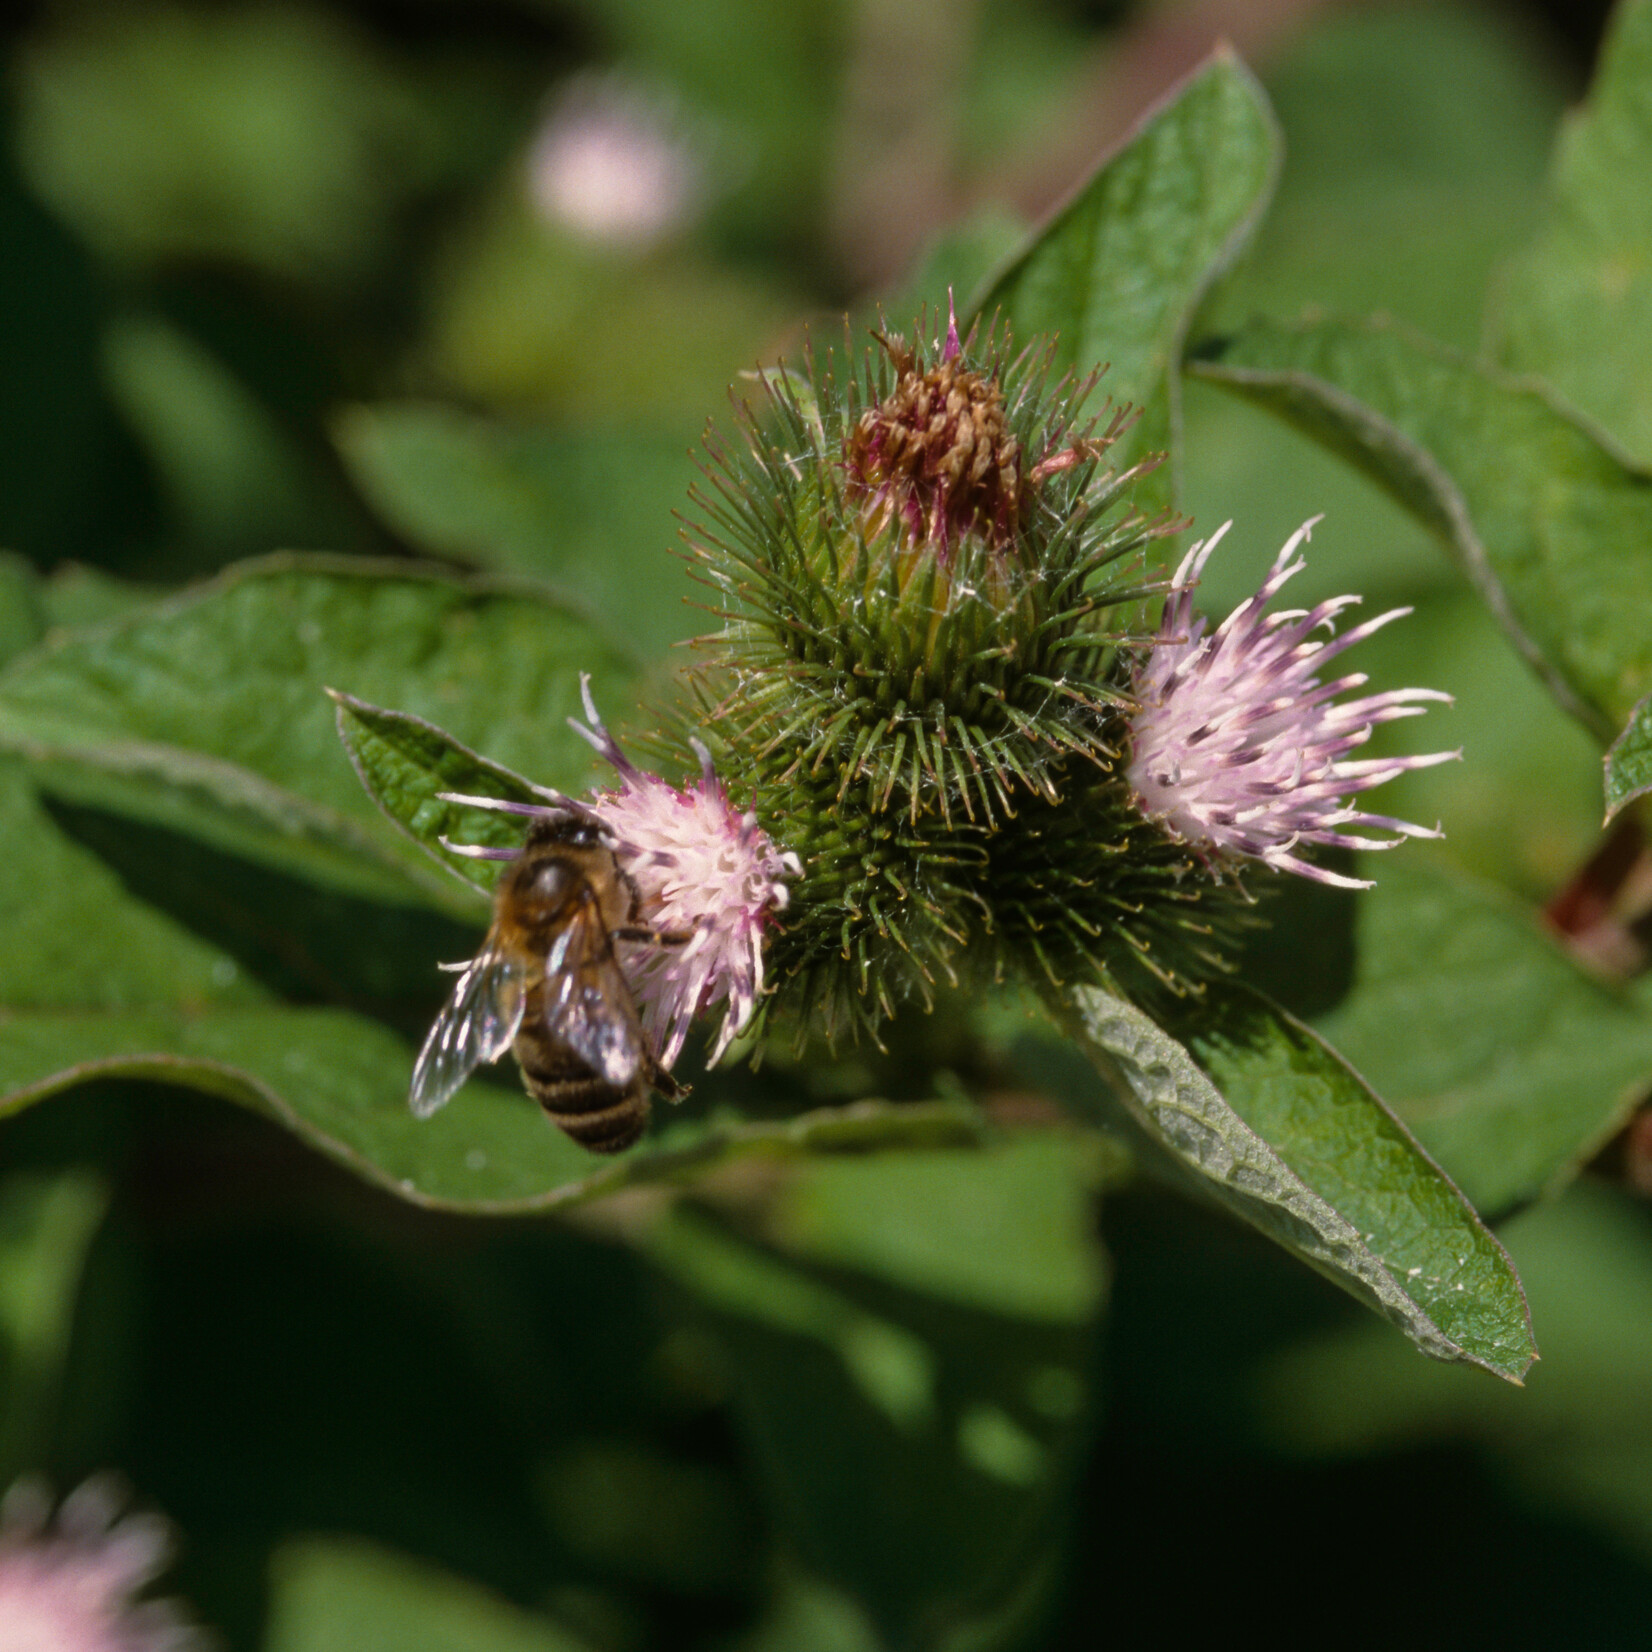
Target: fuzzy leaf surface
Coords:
[[1510, 1063], [588, 508], [1554, 531], [1280, 1129], [206, 711], [1629, 761], [1117, 273], [1576, 307]]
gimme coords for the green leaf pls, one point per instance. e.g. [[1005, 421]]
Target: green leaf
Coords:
[[340, 1081], [206, 712], [1552, 529], [1576, 307], [76, 596], [1512, 1066], [944, 1345], [21, 619], [1629, 761], [590, 508], [304, 139], [405, 762], [336, 1079], [98, 982], [47, 1224], [1280, 1129], [1118, 272], [809, 1615], [1008, 1232], [77, 937], [346, 1595], [960, 259], [101, 982], [233, 475], [1457, 113], [1577, 1440]]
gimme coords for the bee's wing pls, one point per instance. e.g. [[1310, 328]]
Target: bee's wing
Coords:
[[476, 1024], [588, 1004]]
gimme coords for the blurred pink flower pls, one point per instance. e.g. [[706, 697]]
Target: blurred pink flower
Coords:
[[614, 163], [68, 1583], [1239, 749]]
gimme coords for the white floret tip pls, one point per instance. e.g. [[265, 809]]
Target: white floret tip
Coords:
[[1239, 749]]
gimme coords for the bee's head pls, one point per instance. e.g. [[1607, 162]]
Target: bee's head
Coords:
[[569, 831]]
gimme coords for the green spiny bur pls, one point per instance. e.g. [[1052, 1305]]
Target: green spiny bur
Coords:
[[948, 638], [929, 588]]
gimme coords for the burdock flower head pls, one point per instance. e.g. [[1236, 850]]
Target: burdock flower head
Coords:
[[70, 1583], [707, 877], [960, 751], [926, 578], [1239, 745], [937, 456], [708, 882]]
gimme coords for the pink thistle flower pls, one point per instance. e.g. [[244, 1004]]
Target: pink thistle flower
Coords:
[[708, 880], [1237, 746], [68, 1584]]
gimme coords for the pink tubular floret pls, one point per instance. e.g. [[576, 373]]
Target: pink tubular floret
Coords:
[[1240, 749]]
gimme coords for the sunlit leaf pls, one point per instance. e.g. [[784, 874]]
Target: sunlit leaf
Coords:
[[1576, 307], [405, 763], [206, 712], [1274, 1124], [1552, 529], [1118, 272], [77, 937], [1511, 1065]]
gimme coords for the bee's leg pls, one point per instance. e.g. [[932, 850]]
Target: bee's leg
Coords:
[[659, 937], [666, 1084]]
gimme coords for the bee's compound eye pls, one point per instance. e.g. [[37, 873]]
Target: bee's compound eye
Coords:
[[549, 882]]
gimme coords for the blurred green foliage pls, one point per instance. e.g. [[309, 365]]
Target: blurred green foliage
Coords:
[[277, 278]]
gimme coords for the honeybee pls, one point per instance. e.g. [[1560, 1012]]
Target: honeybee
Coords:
[[548, 985]]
